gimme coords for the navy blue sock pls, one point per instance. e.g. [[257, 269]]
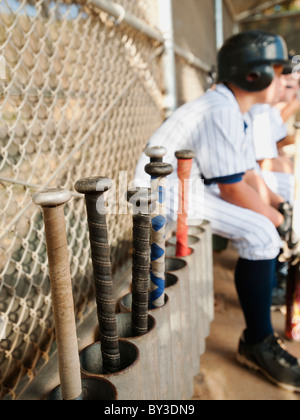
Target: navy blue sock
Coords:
[[254, 283]]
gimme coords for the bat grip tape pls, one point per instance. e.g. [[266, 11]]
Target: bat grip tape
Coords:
[[100, 252], [62, 301]]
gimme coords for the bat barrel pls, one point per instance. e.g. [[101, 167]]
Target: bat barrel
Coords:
[[52, 202], [158, 173], [93, 189], [140, 199]]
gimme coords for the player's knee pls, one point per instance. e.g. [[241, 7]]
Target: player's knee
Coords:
[[262, 243]]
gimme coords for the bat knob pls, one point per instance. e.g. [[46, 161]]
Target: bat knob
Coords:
[[185, 154], [51, 197], [93, 185], [297, 125], [140, 197], [158, 170], [156, 153]]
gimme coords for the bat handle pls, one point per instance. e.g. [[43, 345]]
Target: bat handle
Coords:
[[94, 189], [158, 173], [292, 328], [296, 204], [140, 199], [185, 163], [52, 202]]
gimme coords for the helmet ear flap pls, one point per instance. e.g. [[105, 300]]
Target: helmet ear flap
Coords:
[[253, 77], [260, 78]]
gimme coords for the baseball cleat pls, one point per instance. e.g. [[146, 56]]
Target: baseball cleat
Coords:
[[271, 359]]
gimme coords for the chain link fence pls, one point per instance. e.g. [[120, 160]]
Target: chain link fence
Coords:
[[82, 96]]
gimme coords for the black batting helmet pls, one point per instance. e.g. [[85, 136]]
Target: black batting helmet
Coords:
[[247, 60]]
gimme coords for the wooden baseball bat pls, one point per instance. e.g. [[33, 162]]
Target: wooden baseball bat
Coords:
[[52, 202], [292, 330], [185, 163], [140, 199], [93, 189]]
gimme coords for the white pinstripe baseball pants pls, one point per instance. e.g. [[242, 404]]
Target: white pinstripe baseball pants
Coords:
[[253, 235], [281, 183]]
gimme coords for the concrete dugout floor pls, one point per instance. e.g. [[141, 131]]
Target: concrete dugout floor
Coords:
[[221, 377]]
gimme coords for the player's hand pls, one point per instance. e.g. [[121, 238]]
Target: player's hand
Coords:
[[285, 229]]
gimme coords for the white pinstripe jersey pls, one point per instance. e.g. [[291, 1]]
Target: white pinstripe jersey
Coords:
[[214, 127], [268, 130]]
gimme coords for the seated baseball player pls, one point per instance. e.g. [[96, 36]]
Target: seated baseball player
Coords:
[[235, 198], [289, 104], [269, 129]]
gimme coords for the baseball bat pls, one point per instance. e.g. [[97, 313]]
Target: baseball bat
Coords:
[[140, 199], [158, 172], [93, 189], [156, 154], [52, 202], [292, 330], [185, 163]]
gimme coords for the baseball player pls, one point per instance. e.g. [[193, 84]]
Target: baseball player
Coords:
[[269, 129], [236, 200]]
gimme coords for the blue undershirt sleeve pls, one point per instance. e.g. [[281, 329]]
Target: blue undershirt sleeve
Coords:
[[231, 179]]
